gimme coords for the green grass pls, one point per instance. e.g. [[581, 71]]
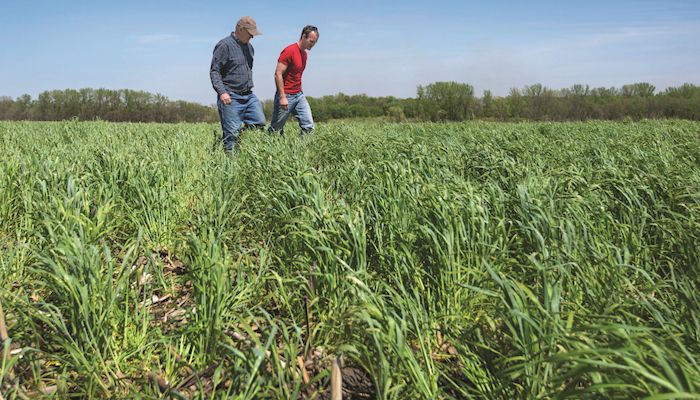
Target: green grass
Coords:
[[475, 260]]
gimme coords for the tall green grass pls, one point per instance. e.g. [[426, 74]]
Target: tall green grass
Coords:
[[476, 260]]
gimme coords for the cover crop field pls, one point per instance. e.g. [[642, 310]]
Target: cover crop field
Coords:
[[426, 261]]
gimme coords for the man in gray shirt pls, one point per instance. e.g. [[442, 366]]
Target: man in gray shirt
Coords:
[[231, 75]]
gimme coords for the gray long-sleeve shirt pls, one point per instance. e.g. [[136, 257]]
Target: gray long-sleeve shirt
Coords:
[[232, 66]]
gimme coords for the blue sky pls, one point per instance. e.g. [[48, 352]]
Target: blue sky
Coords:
[[380, 48]]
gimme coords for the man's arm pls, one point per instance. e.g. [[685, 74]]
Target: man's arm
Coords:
[[279, 82], [217, 60]]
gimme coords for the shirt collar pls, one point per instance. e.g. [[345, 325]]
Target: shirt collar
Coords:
[[233, 35]]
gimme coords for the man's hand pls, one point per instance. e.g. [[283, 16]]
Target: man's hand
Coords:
[[279, 83], [226, 98]]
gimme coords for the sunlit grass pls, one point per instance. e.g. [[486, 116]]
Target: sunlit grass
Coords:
[[476, 260]]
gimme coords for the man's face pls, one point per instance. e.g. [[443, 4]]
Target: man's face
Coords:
[[310, 40], [243, 35]]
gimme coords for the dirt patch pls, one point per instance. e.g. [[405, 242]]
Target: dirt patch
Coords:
[[168, 306]]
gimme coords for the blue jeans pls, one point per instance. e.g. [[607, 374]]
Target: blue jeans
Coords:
[[299, 106], [244, 110]]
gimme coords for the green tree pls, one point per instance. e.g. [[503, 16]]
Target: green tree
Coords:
[[456, 100], [487, 102]]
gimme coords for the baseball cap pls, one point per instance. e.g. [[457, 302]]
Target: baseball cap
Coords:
[[248, 23]]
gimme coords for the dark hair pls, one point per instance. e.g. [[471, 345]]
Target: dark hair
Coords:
[[308, 29]]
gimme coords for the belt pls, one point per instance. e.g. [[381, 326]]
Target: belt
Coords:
[[242, 92]]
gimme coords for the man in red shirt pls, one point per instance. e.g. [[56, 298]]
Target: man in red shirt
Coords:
[[289, 97]]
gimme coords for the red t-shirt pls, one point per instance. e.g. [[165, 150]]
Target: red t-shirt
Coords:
[[295, 59]]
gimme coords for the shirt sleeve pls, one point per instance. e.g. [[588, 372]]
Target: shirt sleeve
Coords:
[[284, 57], [217, 62]]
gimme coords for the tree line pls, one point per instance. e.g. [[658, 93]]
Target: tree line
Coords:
[[454, 101], [438, 101], [109, 105]]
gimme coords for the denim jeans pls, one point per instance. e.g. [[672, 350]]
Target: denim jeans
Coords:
[[244, 110], [298, 106]]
